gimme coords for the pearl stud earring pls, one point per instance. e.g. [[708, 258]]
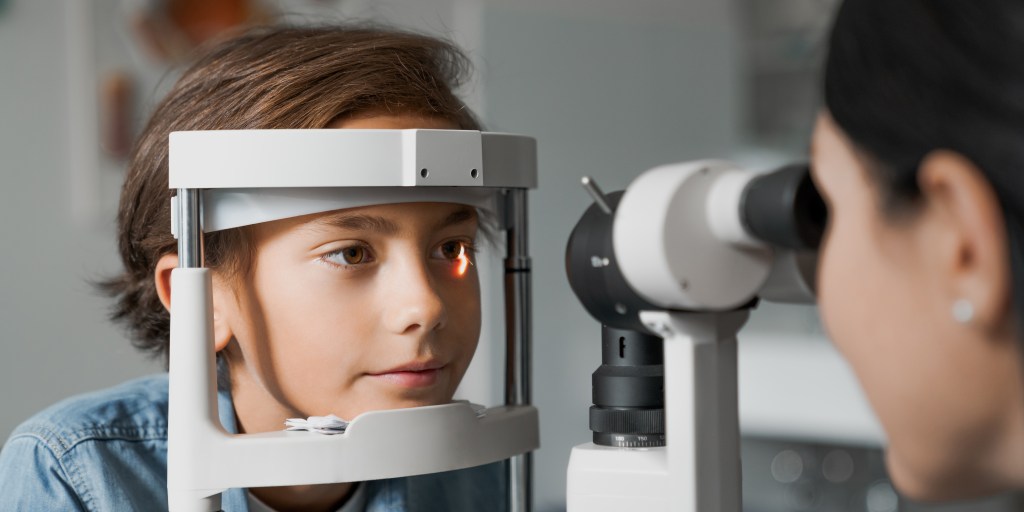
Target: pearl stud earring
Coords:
[[963, 311]]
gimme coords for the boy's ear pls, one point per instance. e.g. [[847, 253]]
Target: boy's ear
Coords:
[[222, 332], [162, 277]]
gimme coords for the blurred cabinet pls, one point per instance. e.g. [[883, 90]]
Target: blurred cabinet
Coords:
[[791, 476]]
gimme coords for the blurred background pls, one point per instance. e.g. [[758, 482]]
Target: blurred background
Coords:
[[609, 89]]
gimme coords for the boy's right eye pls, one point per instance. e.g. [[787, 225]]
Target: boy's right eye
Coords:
[[351, 255]]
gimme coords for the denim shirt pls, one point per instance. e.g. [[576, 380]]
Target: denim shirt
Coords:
[[107, 451]]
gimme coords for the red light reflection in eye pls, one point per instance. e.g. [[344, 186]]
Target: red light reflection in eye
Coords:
[[463, 260]]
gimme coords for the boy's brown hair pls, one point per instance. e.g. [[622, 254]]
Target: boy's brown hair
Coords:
[[265, 78]]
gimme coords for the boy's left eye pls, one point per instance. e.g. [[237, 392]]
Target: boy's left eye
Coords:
[[458, 253], [451, 249], [454, 249]]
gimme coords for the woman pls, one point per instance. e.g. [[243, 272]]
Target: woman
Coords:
[[919, 153]]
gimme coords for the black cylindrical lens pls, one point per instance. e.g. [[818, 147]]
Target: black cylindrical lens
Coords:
[[629, 390]]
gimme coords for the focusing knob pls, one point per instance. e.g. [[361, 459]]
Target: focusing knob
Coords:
[[628, 428]]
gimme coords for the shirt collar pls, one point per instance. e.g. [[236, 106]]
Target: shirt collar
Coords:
[[225, 407]]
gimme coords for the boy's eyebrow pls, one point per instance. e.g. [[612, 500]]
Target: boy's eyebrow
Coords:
[[359, 222], [459, 216], [384, 226]]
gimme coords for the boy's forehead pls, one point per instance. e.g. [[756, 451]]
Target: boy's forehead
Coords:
[[394, 219]]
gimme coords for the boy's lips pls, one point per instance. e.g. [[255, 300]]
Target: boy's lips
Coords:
[[415, 374]]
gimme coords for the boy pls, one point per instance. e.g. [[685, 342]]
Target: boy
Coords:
[[342, 312]]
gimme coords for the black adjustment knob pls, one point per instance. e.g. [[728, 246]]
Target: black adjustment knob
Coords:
[[627, 421]]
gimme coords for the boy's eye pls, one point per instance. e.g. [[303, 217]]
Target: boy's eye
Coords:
[[452, 249], [352, 255], [457, 252]]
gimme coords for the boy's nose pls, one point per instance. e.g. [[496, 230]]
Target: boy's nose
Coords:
[[413, 303]]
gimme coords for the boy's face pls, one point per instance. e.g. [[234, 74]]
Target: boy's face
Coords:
[[359, 309], [354, 310]]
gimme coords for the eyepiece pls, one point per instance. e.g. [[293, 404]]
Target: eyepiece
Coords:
[[785, 209]]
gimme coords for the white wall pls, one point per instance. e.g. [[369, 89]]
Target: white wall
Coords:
[[55, 338]]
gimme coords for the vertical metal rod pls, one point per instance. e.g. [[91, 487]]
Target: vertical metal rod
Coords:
[[518, 328], [190, 228], [192, 365]]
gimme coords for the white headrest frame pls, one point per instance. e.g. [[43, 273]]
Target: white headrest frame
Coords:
[[255, 176]]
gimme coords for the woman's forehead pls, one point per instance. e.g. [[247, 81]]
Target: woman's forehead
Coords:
[[831, 156]]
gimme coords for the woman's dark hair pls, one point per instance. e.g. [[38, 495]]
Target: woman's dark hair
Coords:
[[907, 77], [267, 77]]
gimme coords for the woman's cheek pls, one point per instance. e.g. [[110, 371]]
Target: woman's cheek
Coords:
[[824, 277], [832, 303]]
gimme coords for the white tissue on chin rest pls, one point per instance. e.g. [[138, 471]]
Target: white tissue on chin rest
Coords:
[[332, 424], [329, 424]]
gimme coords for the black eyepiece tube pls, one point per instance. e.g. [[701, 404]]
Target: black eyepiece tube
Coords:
[[784, 209]]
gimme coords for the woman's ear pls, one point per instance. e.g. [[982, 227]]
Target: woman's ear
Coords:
[[969, 237], [222, 304]]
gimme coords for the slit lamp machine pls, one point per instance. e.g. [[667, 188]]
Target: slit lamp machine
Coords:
[[671, 268]]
